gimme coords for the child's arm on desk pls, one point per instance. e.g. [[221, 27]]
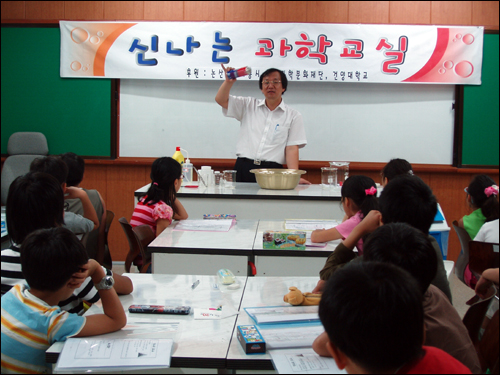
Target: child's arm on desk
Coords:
[[180, 211], [114, 317], [325, 235]]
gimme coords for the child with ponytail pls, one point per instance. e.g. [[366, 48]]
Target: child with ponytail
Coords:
[[359, 197], [160, 204]]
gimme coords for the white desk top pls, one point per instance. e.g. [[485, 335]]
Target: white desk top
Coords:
[[239, 240], [247, 190], [262, 291], [197, 343]]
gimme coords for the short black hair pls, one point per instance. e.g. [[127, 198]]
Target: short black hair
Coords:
[[355, 188], [373, 313], [405, 247], [49, 257], [34, 201], [52, 165], [284, 80], [396, 167], [407, 199], [76, 168]]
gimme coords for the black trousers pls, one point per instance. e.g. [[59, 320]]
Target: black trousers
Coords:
[[244, 165]]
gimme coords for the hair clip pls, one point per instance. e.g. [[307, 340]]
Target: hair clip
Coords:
[[371, 191], [492, 190], [155, 183]]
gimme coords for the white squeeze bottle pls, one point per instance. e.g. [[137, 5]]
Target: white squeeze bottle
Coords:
[[187, 171]]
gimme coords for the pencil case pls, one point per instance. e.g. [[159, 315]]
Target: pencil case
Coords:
[[251, 340]]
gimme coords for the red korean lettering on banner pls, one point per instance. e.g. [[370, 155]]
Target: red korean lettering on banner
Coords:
[[354, 49], [397, 56], [266, 47]]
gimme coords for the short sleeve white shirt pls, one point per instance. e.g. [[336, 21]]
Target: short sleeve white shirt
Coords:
[[264, 134], [488, 232]]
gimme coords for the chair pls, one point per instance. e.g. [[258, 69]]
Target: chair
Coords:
[[463, 258], [23, 148], [145, 236], [474, 317], [105, 257], [482, 255], [133, 243], [488, 347]]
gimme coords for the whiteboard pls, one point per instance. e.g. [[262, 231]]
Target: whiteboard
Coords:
[[364, 122]]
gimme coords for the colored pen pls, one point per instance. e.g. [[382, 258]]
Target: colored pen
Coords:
[[195, 284]]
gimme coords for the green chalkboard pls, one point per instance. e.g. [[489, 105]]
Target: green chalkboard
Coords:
[[480, 111], [74, 114]]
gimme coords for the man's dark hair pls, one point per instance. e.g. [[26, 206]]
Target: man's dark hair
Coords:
[[50, 256], [284, 80], [405, 247], [396, 167], [34, 201], [52, 165], [373, 313], [407, 199], [76, 168]]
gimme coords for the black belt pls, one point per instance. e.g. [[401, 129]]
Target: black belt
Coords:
[[264, 163]]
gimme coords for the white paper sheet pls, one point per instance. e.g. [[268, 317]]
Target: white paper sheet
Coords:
[[204, 225], [282, 314], [86, 353], [292, 224], [290, 336], [302, 361]]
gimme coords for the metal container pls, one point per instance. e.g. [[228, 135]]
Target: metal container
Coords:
[[278, 179]]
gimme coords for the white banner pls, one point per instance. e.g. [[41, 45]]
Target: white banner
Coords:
[[304, 51]]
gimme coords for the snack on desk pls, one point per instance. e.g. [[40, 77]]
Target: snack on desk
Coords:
[[251, 340], [294, 240]]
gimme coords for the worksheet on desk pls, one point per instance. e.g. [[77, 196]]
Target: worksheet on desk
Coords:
[[205, 225], [290, 335], [84, 353], [297, 224], [302, 361]]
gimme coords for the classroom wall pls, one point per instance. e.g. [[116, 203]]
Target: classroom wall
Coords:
[[118, 179]]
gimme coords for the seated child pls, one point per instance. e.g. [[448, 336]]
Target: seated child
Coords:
[[76, 170], [56, 167], [160, 204], [31, 319], [482, 198], [373, 316], [410, 249], [359, 196], [405, 199], [395, 167], [36, 201]]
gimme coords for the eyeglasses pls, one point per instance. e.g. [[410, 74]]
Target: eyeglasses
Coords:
[[466, 190], [275, 82]]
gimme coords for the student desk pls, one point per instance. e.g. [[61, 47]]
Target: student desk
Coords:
[[197, 343], [248, 201], [262, 291], [184, 252]]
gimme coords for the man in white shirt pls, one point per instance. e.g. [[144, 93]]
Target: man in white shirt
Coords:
[[271, 132]]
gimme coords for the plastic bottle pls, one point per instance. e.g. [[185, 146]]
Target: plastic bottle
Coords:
[[233, 73], [187, 171], [178, 155]]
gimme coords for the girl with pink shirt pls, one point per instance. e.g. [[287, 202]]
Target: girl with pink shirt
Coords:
[[359, 196], [160, 204]]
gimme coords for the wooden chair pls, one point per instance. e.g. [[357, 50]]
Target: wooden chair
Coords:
[[134, 249], [145, 236], [482, 255], [463, 258], [487, 348], [474, 317], [106, 260]]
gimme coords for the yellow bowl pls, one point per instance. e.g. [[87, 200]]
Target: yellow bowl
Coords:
[[278, 179]]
